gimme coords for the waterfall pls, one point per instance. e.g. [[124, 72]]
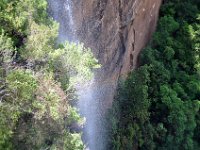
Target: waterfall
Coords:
[[61, 11], [89, 101]]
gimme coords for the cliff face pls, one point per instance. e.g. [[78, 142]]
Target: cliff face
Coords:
[[116, 31]]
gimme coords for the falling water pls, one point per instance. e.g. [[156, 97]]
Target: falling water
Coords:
[[61, 11], [89, 99]]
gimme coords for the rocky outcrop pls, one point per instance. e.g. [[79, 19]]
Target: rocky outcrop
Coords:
[[116, 31]]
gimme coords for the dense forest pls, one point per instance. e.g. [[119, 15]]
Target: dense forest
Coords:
[[157, 107], [37, 80]]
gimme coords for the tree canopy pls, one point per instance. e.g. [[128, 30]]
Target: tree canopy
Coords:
[[158, 105], [37, 79]]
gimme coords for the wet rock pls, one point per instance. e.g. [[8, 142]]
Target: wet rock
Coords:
[[116, 31]]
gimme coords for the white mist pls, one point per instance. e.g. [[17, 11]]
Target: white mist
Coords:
[[89, 94]]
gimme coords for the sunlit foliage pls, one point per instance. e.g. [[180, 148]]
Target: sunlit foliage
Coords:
[[37, 79], [162, 111]]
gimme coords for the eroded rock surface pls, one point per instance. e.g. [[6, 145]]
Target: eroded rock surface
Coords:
[[116, 31]]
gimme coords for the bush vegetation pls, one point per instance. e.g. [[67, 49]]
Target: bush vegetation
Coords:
[[158, 105], [37, 79]]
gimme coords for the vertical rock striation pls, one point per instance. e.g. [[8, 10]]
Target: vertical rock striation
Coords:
[[116, 31]]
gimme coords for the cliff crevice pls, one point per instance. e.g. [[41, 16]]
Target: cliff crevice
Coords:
[[116, 31]]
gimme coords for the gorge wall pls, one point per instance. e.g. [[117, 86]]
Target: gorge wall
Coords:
[[116, 31]]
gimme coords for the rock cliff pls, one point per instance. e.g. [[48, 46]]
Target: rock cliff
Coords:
[[116, 31]]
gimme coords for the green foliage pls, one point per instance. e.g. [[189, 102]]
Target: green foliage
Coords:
[[6, 48], [37, 79], [72, 60], [16, 15], [6, 126], [162, 111], [22, 85], [133, 104], [40, 41], [73, 142], [15, 101]]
